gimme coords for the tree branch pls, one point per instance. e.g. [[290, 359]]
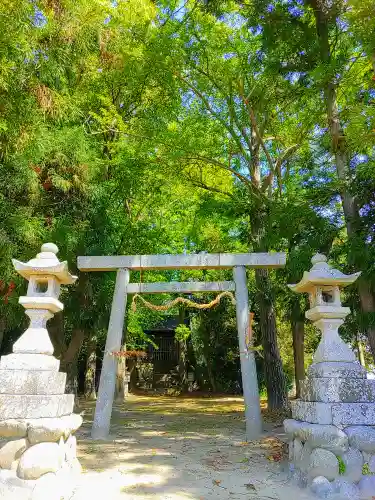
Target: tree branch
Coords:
[[239, 176], [259, 137], [204, 100]]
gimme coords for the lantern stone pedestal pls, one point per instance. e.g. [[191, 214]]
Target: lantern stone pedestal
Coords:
[[37, 447], [332, 433]]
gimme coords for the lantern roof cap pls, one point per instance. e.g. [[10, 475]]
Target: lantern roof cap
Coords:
[[45, 263], [322, 274]]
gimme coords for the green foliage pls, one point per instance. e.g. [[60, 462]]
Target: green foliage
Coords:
[[342, 466], [140, 127], [182, 333], [366, 470]]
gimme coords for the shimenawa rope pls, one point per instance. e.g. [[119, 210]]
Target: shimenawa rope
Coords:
[[181, 300]]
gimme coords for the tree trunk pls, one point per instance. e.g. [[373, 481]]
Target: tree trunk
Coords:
[[274, 374], [360, 349], [56, 334], [298, 330], [69, 361], [351, 213], [361, 354], [121, 390], [182, 360], [206, 351], [90, 375], [131, 364], [340, 150], [210, 374], [182, 365]]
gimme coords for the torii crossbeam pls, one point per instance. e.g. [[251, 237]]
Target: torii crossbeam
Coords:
[[123, 264]]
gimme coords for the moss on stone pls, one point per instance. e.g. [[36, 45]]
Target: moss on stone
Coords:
[[342, 466], [366, 470]]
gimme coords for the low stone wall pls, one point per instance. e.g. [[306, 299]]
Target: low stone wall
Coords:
[[333, 462], [38, 457]]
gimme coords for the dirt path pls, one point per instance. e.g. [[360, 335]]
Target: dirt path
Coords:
[[169, 448]]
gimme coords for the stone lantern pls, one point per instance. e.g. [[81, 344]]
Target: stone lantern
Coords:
[[45, 274], [323, 284], [37, 447], [332, 433]]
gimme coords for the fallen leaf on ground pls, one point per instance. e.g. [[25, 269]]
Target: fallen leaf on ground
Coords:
[[250, 486], [216, 482]]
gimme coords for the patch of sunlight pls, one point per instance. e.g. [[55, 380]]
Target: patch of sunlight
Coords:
[[171, 405], [138, 457], [152, 433], [178, 495], [111, 483], [131, 480]]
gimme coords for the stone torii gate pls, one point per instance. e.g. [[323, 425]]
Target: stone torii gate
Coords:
[[123, 264]]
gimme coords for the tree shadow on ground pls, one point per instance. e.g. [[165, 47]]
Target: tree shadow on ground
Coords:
[[162, 448]]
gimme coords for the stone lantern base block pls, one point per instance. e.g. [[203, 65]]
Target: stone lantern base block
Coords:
[[43, 464], [58, 485], [336, 369], [35, 406], [29, 362], [335, 390], [40, 429], [334, 463], [32, 382], [339, 414], [328, 437]]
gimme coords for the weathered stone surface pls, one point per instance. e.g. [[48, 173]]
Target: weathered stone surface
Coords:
[[291, 427], [169, 261], [11, 451], [52, 429], [47, 488], [323, 463], [371, 464], [10, 479], [361, 437], [366, 457], [345, 490], [71, 449], [328, 437], [35, 340], [14, 465], [40, 459], [312, 412], [53, 486], [75, 467], [321, 487], [336, 370], [291, 450], [339, 414], [304, 463], [13, 428], [297, 451], [353, 413], [300, 478], [328, 319], [32, 382], [332, 390], [353, 461], [35, 406], [367, 487], [29, 362]]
